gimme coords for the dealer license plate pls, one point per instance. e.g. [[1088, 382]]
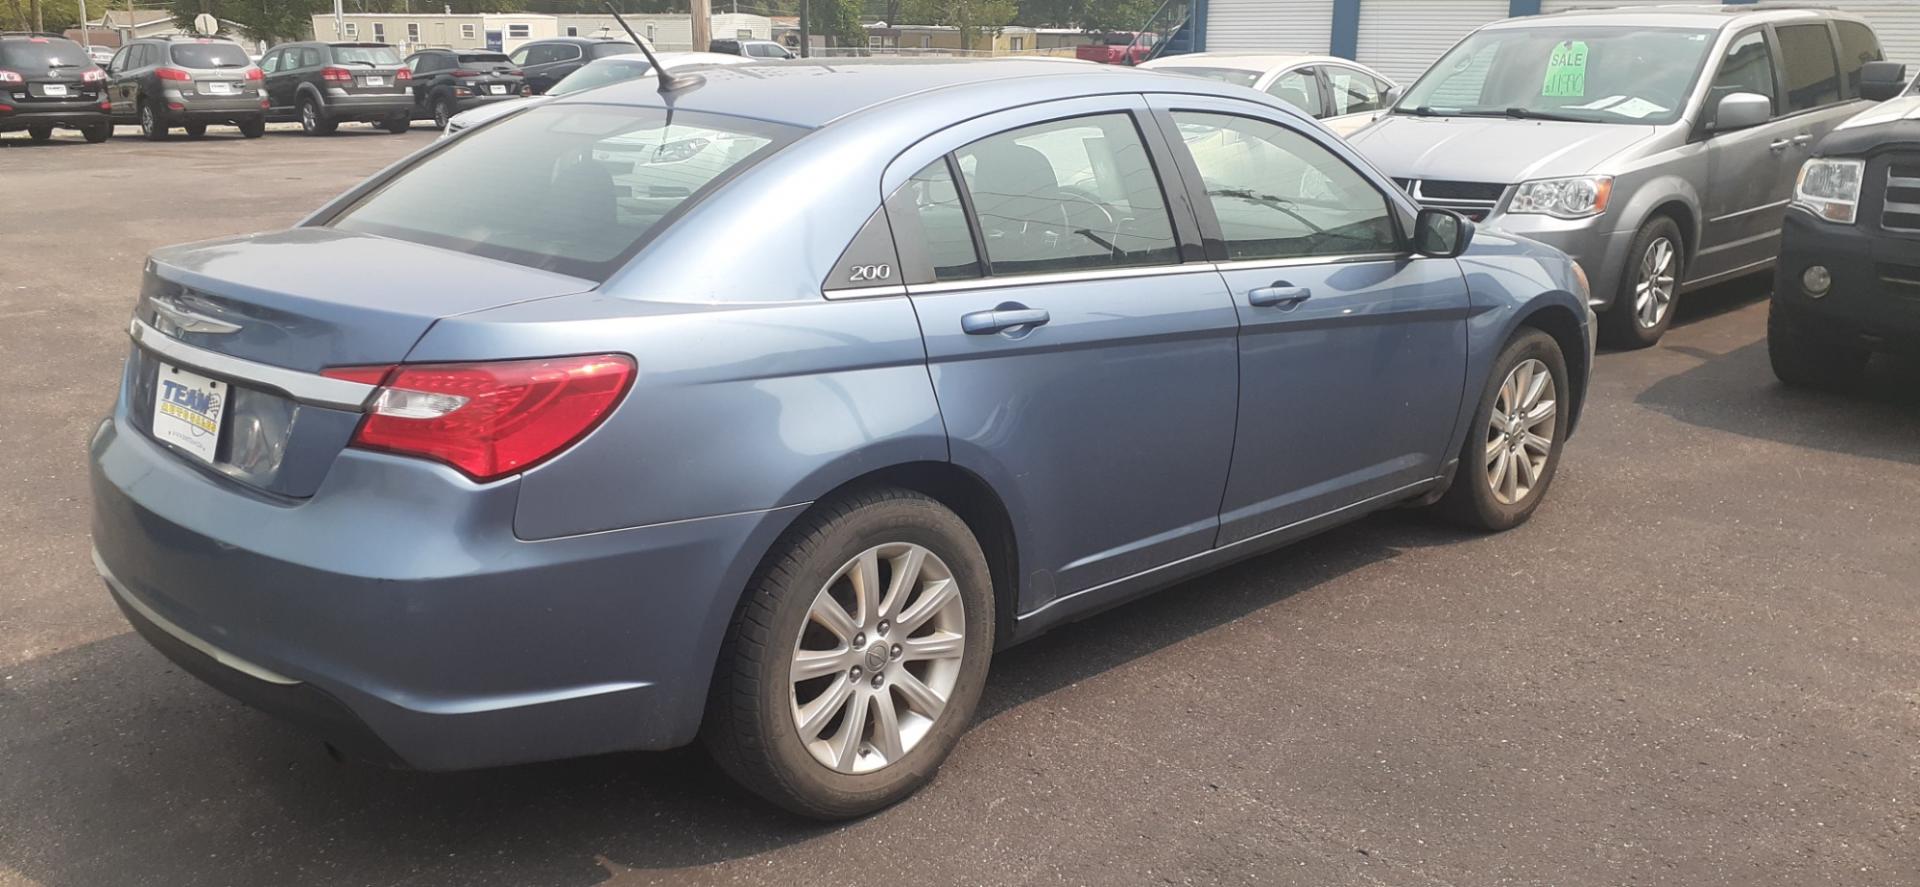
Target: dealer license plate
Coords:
[[220, 88], [56, 89], [376, 81], [497, 89], [186, 410]]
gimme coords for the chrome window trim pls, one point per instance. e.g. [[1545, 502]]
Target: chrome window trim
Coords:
[[1347, 259], [865, 292], [304, 387], [1019, 280]]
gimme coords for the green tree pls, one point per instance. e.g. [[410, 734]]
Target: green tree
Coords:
[[974, 18], [55, 15]]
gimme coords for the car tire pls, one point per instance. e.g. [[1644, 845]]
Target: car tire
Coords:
[[443, 111], [846, 767], [253, 129], [1505, 468], [1649, 290], [313, 118], [195, 130], [98, 132], [40, 133], [1804, 356], [150, 125], [397, 124]]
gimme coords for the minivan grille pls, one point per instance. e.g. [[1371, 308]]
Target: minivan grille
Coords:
[[1901, 211], [1475, 200]]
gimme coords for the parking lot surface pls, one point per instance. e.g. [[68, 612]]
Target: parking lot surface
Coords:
[[1698, 665]]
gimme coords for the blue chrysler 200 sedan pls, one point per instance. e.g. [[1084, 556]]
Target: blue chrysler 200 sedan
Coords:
[[764, 409]]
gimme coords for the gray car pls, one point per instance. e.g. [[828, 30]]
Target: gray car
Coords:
[[1658, 147], [188, 82], [765, 411]]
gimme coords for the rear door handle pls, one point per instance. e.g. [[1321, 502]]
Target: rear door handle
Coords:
[[1003, 318], [1281, 294], [1801, 140]]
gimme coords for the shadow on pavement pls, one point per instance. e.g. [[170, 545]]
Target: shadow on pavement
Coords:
[[115, 763]]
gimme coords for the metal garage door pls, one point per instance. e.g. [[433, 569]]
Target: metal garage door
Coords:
[[1564, 5], [1402, 37], [1896, 21], [1304, 26]]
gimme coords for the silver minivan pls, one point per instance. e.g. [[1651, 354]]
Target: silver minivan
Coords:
[[1657, 147]]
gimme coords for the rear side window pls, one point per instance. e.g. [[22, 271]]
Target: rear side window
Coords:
[[1353, 92], [1858, 46], [935, 201], [572, 189], [371, 56], [602, 50], [209, 55], [1299, 89], [1069, 195], [1280, 195], [41, 53], [1813, 74]]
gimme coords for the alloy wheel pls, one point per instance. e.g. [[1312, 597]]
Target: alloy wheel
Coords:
[[147, 124], [877, 658], [1520, 432], [1653, 289], [309, 118]]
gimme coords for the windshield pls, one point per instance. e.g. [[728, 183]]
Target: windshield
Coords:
[[602, 50], [1585, 73], [570, 188], [371, 56], [601, 73], [1234, 76], [209, 55], [42, 53]]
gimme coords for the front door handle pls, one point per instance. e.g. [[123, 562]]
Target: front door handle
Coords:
[[1779, 145], [1003, 318], [1281, 294]]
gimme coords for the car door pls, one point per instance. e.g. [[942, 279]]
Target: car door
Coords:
[[283, 86], [1352, 349], [1353, 98], [1082, 350], [1750, 171], [1299, 87], [119, 88]]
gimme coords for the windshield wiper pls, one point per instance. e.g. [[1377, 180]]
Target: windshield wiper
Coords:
[[357, 62], [1531, 114], [1417, 111]]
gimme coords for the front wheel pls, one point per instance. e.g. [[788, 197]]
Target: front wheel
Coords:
[[253, 129], [1805, 356], [443, 111], [195, 130], [98, 132], [150, 125], [1649, 289], [397, 124], [1512, 449], [854, 663], [40, 133]]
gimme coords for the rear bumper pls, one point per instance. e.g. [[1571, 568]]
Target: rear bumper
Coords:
[[213, 109], [69, 114], [395, 614], [1875, 297], [341, 106], [470, 102]]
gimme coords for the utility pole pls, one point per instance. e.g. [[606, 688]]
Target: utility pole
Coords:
[[806, 36], [339, 19], [86, 33], [39, 22], [702, 25]]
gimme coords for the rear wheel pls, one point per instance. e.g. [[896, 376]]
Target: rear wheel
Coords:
[[40, 133], [195, 130], [1803, 355], [253, 129], [397, 124], [443, 111], [855, 660], [313, 118], [98, 132], [1649, 290], [1512, 449], [150, 125]]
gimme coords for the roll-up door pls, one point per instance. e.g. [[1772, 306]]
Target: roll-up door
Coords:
[[1401, 38], [1302, 26]]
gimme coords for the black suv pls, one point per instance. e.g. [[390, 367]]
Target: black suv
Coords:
[[325, 84], [1848, 281], [448, 81], [46, 81], [190, 82], [545, 62]]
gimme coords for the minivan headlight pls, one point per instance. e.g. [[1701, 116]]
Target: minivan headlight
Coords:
[[1571, 198], [1830, 189]]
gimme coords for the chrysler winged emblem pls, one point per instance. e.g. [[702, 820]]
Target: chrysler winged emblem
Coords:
[[170, 318]]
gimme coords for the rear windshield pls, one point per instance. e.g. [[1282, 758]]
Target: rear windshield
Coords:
[[371, 56], [569, 188], [602, 50], [601, 73], [42, 52], [209, 55], [483, 57], [1234, 76]]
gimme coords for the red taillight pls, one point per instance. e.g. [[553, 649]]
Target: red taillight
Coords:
[[172, 74], [489, 419], [92, 75], [340, 74], [402, 74], [256, 74], [11, 77]]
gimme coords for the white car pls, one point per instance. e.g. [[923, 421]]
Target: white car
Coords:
[[1341, 93], [599, 72]]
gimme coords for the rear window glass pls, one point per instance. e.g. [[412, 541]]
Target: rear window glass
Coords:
[[600, 73], [602, 50], [42, 53], [484, 57], [572, 189], [209, 55], [371, 56], [1224, 75]]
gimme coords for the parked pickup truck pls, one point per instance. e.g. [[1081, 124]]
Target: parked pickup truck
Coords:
[[1113, 49]]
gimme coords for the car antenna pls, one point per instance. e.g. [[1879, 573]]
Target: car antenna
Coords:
[[669, 82]]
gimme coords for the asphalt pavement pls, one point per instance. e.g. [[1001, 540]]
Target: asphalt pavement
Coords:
[[1698, 665]]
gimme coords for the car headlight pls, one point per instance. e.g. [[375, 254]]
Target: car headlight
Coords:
[[1830, 189], [1571, 198]]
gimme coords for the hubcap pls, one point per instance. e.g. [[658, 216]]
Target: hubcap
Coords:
[[1653, 289], [1520, 432], [307, 118], [877, 658], [146, 119]]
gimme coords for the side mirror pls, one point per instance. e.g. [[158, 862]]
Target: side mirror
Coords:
[[1880, 81], [1441, 233], [1741, 110], [1392, 96]]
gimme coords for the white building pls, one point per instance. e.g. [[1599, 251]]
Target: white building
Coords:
[[411, 31], [1402, 37], [667, 33]]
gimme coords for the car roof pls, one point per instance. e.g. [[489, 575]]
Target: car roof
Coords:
[[1697, 15], [579, 40], [814, 92], [1241, 61]]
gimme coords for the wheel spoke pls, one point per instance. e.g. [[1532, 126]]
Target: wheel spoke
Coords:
[[1502, 466], [810, 664], [931, 600], [906, 577], [813, 716], [1541, 412], [918, 696], [1495, 446], [865, 579], [853, 729], [1537, 384], [886, 728], [1537, 443], [1522, 385], [1513, 482], [828, 614], [1523, 466], [939, 645]]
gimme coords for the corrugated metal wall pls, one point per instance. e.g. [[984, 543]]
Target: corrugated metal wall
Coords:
[[1304, 26], [1400, 38]]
